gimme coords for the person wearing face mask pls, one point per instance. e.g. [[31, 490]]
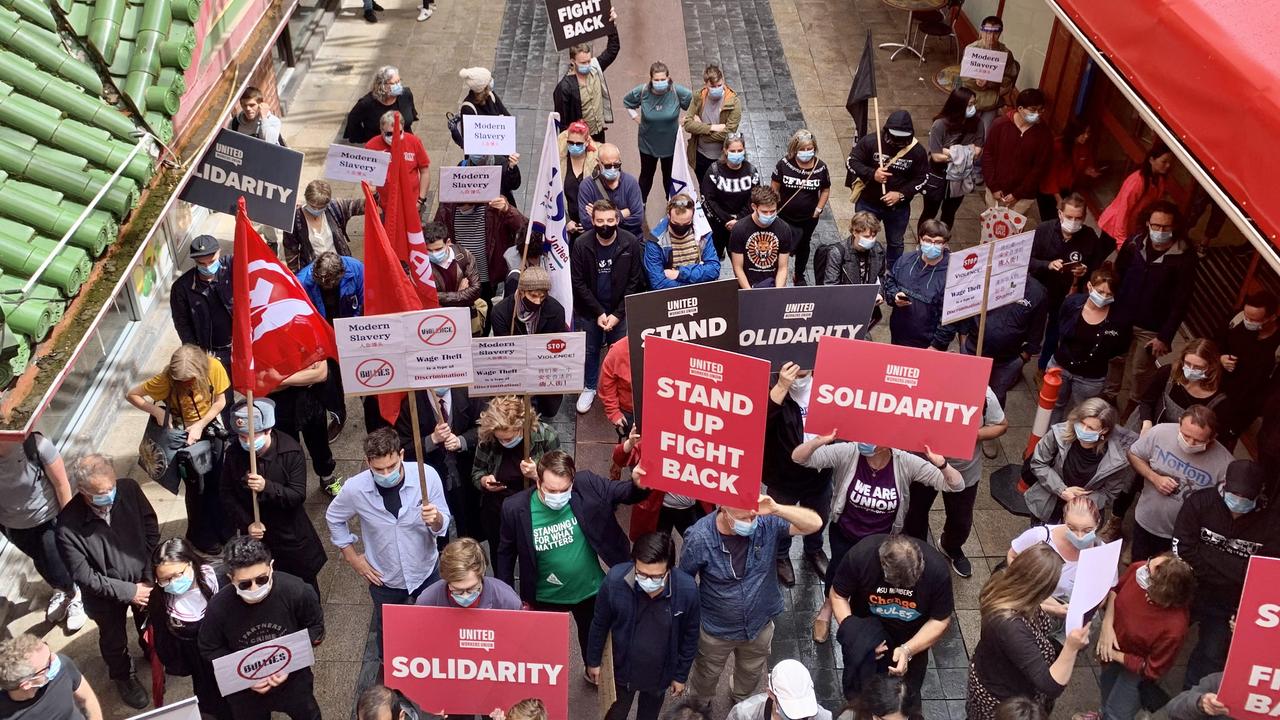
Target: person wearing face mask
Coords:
[[650, 608], [803, 184], [558, 532], [1017, 154], [788, 694], [726, 190], [185, 582], [488, 231], [620, 188], [510, 180], [1086, 456], [1078, 531], [860, 260], [386, 93], [579, 162], [335, 284], [40, 684], [319, 225], [1217, 530], [255, 119], [501, 467], [398, 526], [915, 285], [583, 93], [106, 536], [891, 165], [790, 483], [1064, 251], [1143, 627], [1249, 343], [450, 449], [989, 95], [452, 266], [873, 486], [262, 603], [1143, 187], [1074, 167], [656, 107], [1089, 338], [759, 245], [417, 164], [534, 309], [1156, 268], [1173, 460], [674, 255], [955, 146], [200, 300], [1193, 378], [281, 487], [463, 583], [732, 553], [714, 113]]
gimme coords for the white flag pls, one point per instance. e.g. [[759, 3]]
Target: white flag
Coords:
[[548, 216], [683, 181]]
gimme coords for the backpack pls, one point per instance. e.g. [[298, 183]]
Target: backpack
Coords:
[[823, 257], [455, 121], [31, 448]]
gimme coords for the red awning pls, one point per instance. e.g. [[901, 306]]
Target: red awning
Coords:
[[1211, 70]]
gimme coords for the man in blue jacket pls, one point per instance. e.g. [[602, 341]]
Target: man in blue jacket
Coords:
[[916, 286], [335, 284], [674, 255], [651, 608], [618, 187]]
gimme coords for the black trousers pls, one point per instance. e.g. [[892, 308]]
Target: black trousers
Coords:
[[113, 634], [1147, 545], [959, 522], [648, 165], [583, 613], [207, 526], [650, 703], [701, 164], [817, 499], [678, 519], [311, 429], [800, 252], [948, 206], [39, 544], [295, 698], [858, 638]]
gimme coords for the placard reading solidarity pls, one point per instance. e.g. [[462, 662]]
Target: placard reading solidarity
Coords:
[[546, 364], [783, 324], [899, 397], [458, 661], [236, 165], [470, 184], [983, 64], [404, 351], [354, 164], [577, 21], [489, 135], [1251, 681], [246, 668], [967, 273], [705, 411]]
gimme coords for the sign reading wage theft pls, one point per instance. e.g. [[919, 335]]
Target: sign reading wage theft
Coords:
[[460, 661], [244, 669], [404, 351], [544, 364], [967, 275], [983, 64], [577, 21], [489, 135], [897, 396], [702, 314], [470, 184], [706, 410], [1251, 681], [266, 175], [783, 324], [347, 163]]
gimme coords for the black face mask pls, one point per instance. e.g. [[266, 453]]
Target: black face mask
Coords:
[[606, 232], [680, 229]]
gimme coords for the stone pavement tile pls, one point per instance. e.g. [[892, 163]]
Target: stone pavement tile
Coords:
[[341, 586], [935, 710], [931, 689], [937, 518], [955, 707], [970, 628], [996, 528], [953, 682], [949, 653], [335, 685], [342, 642]]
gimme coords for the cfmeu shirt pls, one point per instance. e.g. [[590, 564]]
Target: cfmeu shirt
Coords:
[[902, 611]]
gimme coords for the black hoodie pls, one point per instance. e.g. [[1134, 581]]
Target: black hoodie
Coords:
[[907, 171], [1219, 546]]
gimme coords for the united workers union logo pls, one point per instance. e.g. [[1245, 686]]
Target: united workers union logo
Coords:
[[902, 375], [762, 249]]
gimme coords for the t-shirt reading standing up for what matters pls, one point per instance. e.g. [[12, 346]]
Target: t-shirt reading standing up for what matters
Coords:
[[902, 611], [568, 569], [760, 247]]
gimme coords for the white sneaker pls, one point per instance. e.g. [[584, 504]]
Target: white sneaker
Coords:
[[424, 13], [57, 607], [587, 397], [75, 613]]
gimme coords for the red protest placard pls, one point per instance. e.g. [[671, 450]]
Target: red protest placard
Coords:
[[1251, 681], [461, 661], [704, 415], [898, 396]]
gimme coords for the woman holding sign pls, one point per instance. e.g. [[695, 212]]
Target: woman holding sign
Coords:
[[873, 491]]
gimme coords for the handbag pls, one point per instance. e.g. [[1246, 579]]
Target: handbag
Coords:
[[160, 444], [933, 186], [859, 185], [454, 122]]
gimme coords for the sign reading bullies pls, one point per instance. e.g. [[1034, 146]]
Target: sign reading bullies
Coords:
[[1251, 681], [404, 351], [188, 709], [238, 165], [548, 364], [460, 661], [783, 324], [896, 396], [707, 411], [470, 184], [244, 669], [703, 314], [577, 21], [489, 135]]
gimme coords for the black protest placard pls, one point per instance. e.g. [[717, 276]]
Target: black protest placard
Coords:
[[577, 21], [783, 324], [238, 165], [703, 314]]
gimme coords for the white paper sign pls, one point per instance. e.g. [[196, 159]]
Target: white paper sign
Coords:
[[188, 709], [499, 365], [404, 351], [246, 668], [1095, 576], [478, 184], [967, 271], [529, 364], [353, 164], [438, 352], [488, 135], [982, 64]]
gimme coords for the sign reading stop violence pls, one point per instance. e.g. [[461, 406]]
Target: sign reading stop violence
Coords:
[[896, 396], [1251, 681], [577, 21], [704, 416], [460, 661], [967, 274], [544, 364]]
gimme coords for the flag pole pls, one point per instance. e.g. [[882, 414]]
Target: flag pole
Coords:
[[606, 689], [257, 525], [417, 441], [528, 427], [875, 104], [524, 260], [986, 295]]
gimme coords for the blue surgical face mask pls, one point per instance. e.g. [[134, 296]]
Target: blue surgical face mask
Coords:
[[1032, 117], [1161, 237], [1193, 374], [55, 667], [716, 92], [930, 251], [389, 480], [513, 442], [441, 391], [466, 599], [477, 160], [1099, 299], [313, 212], [105, 499], [660, 86], [576, 149], [867, 449], [610, 174], [439, 257], [970, 111], [584, 69], [1081, 543], [1087, 435], [805, 155], [866, 242], [1238, 504], [650, 585], [210, 269], [556, 501], [180, 584], [766, 219], [744, 527], [1143, 576], [397, 90], [258, 442], [736, 158]]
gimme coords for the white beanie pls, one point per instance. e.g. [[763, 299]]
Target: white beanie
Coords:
[[477, 78]]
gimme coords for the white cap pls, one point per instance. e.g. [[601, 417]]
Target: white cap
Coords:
[[477, 78], [792, 687], [900, 133]]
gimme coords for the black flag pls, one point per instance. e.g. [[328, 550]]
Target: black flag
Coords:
[[862, 90]]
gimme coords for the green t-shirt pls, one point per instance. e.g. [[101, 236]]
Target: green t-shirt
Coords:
[[568, 569]]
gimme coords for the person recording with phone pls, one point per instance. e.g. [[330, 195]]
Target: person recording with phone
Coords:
[[915, 287]]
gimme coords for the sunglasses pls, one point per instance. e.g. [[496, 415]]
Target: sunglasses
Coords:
[[612, 166], [681, 204], [577, 144], [259, 581], [733, 136]]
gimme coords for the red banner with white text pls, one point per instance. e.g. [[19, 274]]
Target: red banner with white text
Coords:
[[1251, 681]]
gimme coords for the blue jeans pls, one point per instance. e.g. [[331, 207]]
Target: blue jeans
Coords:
[[596, 339], [895, 221], [1075, 390], [1120, 697]]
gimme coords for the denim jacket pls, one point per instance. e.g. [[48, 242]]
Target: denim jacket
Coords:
[[735, 608]]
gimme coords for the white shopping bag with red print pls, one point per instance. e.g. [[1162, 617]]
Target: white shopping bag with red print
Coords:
[[999, 223]]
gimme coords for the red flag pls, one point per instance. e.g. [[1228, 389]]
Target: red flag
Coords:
[[387, 289], [276, 331], [404, 227]]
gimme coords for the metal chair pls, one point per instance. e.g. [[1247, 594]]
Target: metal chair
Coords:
[[943, 24]]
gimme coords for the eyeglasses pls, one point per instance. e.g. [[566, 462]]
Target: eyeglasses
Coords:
[[612, 166], [577, 144], [467, 591], [259, 581], [644, 576], [165, 582], [45, 670]]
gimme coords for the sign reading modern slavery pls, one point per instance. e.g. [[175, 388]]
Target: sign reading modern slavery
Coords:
[[1251, 681], [470, 184], [577, 21], [244, 669], [356, 164], [404, 351], [706, 409], [489, 135], [545, 364], [784, 324], [967, 275], [266, 175], [983, 64]]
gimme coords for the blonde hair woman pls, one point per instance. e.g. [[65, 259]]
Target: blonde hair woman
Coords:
[[803, 184], [502, 467]]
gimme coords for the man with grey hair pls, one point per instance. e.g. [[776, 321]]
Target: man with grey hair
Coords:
[[40, 684], [417, 164], [618, 187], [106, 535]]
